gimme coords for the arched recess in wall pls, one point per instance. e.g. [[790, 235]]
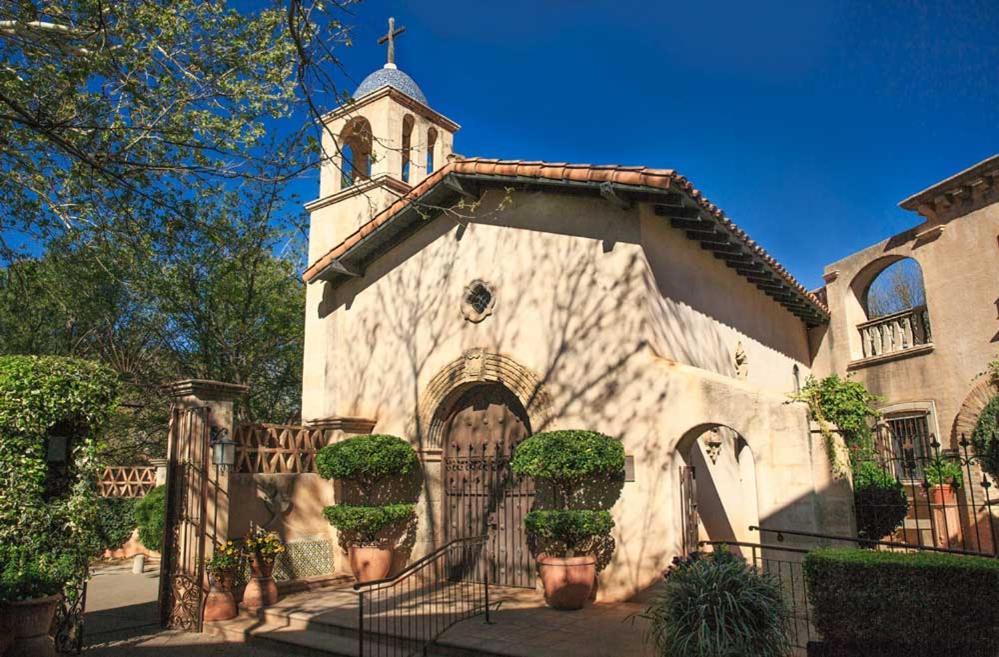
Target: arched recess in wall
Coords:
[[982, 391], [407, 145], [887, 305], [476, 367], [431, 147], [724, 472], [355, 151]]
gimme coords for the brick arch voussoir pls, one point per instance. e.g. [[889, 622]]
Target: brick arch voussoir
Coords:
[[982, 391]]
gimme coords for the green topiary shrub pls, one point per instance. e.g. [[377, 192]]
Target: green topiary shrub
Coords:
[[868, 603], [150, 516], [364, 524], [116, 521], [985, 437], [568, 530], [879, 500], [716, 605], [568, 456], [366, 458]]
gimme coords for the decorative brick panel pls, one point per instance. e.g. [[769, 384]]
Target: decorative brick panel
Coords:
[[127, 481]]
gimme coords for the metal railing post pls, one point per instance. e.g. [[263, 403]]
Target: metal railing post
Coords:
[[360, 624]]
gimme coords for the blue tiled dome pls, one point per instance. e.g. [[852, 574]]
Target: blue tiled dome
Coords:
[[391, 77]]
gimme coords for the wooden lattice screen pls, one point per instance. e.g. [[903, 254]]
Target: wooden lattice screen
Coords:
[[127, 481], [277, 448]]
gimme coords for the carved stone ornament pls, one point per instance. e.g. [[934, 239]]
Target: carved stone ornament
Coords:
[[741, 362], [478, 301], [712, 446]]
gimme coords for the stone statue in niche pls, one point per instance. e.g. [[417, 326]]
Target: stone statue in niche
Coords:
[[712, 445], [741, 362]]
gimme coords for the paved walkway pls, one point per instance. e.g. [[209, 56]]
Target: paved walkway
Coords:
[[121, 621]]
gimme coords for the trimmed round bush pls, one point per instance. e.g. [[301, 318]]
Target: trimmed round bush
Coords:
[[716, 605], [365, 523], [984, 438], [150, 516], [571, 528], [879, 500], [568, 455], [366, 458], [868, 603]]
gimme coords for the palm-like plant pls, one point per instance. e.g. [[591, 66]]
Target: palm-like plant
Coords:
[[716, 605]]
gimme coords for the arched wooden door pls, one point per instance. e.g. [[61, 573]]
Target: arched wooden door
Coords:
[[481, 495]]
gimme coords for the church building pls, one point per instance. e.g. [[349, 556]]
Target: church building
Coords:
[[465, 303]]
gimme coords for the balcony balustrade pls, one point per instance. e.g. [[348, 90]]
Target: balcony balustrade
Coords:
[[896, 332]]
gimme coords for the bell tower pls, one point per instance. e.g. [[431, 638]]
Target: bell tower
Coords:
[[376, 147]]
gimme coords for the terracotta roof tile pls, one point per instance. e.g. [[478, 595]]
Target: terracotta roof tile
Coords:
[[634, 176]]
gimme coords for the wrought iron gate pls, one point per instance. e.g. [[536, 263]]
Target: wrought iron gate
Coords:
[[182, 574], [481, 495], [688, 509]]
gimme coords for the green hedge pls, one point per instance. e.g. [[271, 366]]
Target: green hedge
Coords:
[[366, 458], [116, 521], [363, 524], [150, 516], [568, 455], [26, 573], [886, 603], [984, 438]]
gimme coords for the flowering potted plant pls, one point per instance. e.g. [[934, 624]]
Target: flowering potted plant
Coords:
[[568, 538], [31, 587], [372, 467], [262, 548], [944, 478], [226, 561]]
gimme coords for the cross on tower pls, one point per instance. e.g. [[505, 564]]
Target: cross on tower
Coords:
[[390, 37]]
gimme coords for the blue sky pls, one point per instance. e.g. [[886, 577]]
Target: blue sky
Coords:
[[807, 122]]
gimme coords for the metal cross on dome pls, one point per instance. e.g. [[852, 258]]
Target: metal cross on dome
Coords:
[[390, 37]]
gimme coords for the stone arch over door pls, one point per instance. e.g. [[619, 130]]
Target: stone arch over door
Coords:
[[982, 391], [477, 367]]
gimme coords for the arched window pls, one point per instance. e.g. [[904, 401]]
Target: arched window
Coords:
[[407, 140], [893, 299], [355, 152], [431, 144]]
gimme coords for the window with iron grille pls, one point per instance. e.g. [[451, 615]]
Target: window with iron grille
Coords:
[[908, 444]]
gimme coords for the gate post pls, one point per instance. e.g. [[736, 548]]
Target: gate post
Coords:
[[197, 496]]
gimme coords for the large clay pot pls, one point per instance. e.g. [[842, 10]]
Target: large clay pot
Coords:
[[220, 604], [6, 631], [29, 623], [370, 563], [261, 590], [568, 581], [946, 516]]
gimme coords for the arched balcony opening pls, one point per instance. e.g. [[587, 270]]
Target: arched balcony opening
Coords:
[[891, 294]]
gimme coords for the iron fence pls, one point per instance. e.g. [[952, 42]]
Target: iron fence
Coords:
[[403, 615], [949, 497]]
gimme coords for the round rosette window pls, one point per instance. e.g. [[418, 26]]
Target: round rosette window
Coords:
[[478, 301]]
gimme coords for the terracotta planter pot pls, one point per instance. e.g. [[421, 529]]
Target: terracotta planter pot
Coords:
[[29, 622], [6, 631], [220, 604], [946, 516], [370, 563], [261, 590], [568, 581]]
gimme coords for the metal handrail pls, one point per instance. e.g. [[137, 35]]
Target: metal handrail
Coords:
[[416, 565], [853, 539], [762, 546], [440, 617]]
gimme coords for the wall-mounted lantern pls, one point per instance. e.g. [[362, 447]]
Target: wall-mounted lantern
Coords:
[[223, 449]]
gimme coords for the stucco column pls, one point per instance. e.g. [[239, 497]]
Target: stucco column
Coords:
[[218, 397]]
